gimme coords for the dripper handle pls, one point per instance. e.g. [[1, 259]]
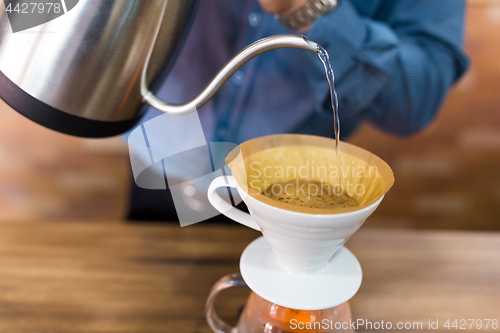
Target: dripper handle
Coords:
[[224, 207], [213, 320]]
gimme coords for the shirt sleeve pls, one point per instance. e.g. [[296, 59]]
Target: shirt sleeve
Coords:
[[396, 70]]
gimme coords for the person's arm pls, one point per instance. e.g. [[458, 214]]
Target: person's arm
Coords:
[[395, 71]]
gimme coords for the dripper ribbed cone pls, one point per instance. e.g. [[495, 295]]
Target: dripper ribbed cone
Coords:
[[303, 237]]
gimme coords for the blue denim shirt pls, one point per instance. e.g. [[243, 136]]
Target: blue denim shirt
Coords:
[[394, 61]]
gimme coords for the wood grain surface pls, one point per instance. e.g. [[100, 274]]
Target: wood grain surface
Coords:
[[114, 277], [483, 3]]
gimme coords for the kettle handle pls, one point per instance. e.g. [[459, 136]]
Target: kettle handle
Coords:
[[213, 320], [252, 50]]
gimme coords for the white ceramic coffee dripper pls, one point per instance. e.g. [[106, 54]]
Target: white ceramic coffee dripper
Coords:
[[301, 242], [301, 262]]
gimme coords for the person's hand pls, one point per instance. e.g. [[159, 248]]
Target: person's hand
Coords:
[[281, 7]]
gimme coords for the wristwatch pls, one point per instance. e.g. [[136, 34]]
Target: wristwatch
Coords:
[[306, 14]]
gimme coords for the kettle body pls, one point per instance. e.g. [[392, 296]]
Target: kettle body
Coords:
[[81, 73], [91, 71]]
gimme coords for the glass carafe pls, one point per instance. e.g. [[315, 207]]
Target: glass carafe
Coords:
[[263, 316]]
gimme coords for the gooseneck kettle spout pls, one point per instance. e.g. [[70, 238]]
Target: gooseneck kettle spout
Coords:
[[93, 70], [254, 49]]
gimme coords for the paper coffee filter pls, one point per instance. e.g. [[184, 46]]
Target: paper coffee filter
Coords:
[[258, 163]]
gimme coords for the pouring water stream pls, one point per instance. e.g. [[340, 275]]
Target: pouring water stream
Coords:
[[325, 59]]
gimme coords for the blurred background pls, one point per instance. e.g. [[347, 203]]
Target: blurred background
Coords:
[[447, 177]]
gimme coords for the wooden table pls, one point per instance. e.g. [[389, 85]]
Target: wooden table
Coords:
[[116, 277]]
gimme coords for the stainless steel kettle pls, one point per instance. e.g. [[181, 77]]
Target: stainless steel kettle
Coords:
[[90, 71]]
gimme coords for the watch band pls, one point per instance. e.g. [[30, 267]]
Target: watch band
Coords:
[[306, 14]]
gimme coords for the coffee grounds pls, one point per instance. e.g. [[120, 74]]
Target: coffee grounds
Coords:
[[309, 194]]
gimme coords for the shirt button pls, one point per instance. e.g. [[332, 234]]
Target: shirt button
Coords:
[[254, 19], [238, 77]]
